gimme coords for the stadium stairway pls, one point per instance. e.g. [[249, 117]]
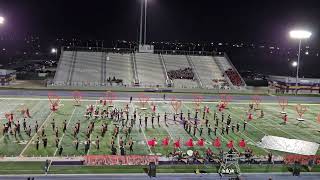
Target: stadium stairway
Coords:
[[71, 70], [103, 69], [64, 65], [230, 72], [194, 71], [149, 69], [134, 68], [208, 71], [168, 81]]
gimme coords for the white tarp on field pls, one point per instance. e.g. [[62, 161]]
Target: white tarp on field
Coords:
[[289, 145]]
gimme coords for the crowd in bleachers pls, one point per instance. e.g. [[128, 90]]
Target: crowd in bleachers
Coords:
[[114, 80], [234, 77], [185, 73]]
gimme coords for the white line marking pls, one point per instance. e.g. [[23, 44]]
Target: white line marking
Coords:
[[35, 134]]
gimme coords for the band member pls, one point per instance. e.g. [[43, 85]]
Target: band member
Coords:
[[130, 143], [98, 143], [76, 143], [64, 126]]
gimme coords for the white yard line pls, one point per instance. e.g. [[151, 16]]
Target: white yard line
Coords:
[[35, 134], [60, 141], [145, 137]]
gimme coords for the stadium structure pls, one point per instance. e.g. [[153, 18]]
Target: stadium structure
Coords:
[[99, 67], [64, 128]]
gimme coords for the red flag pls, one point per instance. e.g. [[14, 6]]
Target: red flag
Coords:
[[154, 108], [177, 144], [189, 143], [250, 117], [165, 141], [242, 143], [200, 142], [230, 144], [217, 143]]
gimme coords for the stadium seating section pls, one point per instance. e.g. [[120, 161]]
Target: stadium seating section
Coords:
[[81, 68]]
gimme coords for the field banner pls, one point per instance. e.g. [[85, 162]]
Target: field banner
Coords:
[[302, 159], [100, 160], [295, 146]]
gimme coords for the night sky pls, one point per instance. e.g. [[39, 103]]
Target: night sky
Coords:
[[184, 20]]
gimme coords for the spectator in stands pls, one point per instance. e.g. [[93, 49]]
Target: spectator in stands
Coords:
[[185, 73]]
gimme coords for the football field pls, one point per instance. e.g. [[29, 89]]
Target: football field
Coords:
[[256, 129]]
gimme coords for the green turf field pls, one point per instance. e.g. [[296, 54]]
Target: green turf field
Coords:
[[256, 129]]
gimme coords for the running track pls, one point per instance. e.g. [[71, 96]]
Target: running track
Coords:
[[153, 96]]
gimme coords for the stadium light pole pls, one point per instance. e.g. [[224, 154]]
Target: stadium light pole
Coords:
[[300, 35], [143, 22]]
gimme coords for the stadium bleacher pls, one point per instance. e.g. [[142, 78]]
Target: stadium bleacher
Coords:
[[119, 66], [87, 68], [64, 66], [229, 71], [208, 71], [99, 68], [150, 70], [176, 62]]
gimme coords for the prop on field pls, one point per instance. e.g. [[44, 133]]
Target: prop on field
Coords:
[[242, 143], [230, 144], [189, 152], [9, 116], [200, 142], [197, 99], [217, 143], [54, 101], [283, 103], [176, 104], [152, 142], [318, 118], [301, 110], [165, 142], [110, 97], [224, 102], [177, 144], [189, 143], [143, 101], [256, 101], [77, 96]]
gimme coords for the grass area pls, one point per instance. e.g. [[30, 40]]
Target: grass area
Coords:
[[21, 168], [256, 129], [38, 168], [168, 169]]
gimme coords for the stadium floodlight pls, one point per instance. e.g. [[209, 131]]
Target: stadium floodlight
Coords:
[[2, 20], [300, 35], [294, 64], [54, 50]]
